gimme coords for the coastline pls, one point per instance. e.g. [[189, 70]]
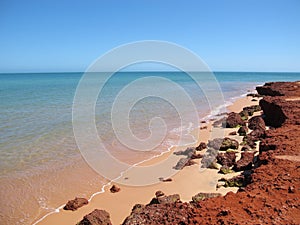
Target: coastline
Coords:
[[187, 182]]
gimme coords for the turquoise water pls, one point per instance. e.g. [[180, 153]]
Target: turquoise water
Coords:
[[37, 145]]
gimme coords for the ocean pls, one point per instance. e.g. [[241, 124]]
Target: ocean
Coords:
[[41, 166]]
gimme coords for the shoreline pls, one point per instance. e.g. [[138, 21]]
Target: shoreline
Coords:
[[119, 204]]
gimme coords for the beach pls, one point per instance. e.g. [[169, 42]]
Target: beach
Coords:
[[43, 161], [186, 182]]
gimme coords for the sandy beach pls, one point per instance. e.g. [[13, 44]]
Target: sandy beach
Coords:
[[186, 182]]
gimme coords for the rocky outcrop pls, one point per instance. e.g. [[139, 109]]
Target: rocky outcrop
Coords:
[[161, 210], [279, 89], [269, 193], [282, 107], [97, 217], [234, 120], [75, 204]]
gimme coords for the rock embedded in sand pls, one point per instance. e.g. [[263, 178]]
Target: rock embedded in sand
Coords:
[[252, 109], [188, 152], [166, 180], [97, 217], [201, 146], [183, 162], [226, 159], [225, 170], [223, 144], [75, 204], [165, 199], [237, 181], [114, 189], [233, 120], [201, 196], [159, 194], [244, 115], [169, 213], [203, 128]]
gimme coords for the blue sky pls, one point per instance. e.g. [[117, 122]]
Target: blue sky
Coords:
[[241, 35]]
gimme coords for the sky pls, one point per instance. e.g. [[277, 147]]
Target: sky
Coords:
[[228, 35]]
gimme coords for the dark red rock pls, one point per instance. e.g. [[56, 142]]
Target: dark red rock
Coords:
[[226, 159], [279, 89], [203, 128], [251, 109], [274, 115], [75, 204], [242, 131], [234, 120], [201, 146], [250, 141], [223, 144], [246, 148], [97, 217], [167, 180], [246, 161], [256, 123], [114, 189]]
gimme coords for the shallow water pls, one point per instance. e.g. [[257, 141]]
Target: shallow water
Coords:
[[41, 166]]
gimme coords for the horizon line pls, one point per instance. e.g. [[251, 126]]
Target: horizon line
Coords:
[[151, 71]]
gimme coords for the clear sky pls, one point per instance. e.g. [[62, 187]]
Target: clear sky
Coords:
[[240, 35]]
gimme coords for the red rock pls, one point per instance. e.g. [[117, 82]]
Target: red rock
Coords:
[[246, 161], [167, 180], [223, 144], [97, 217], [201, 146], [75, 204], [279, 89], [226, 159], [256, 123], [114, 189], [159, 194], [203, 128], [234, 120], [242, 131]]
